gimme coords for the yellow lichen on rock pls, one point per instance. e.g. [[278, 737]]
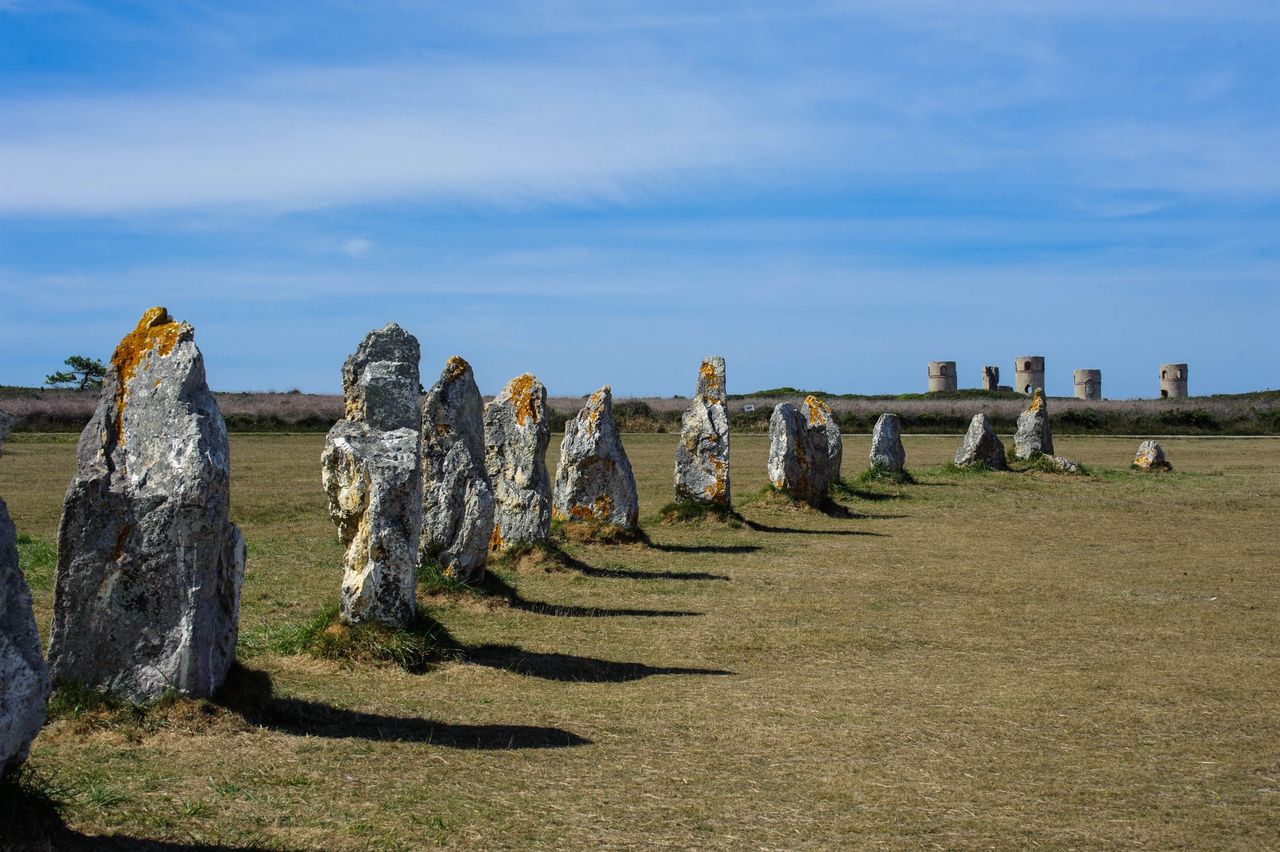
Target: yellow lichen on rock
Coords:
[[156, 332], [522, 399], [1037, 400], [455, 367], [713, 388], [495, 539], [818, 410]]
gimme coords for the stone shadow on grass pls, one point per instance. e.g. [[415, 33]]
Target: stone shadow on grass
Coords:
[[759, 527], [575, 564], [502, 589], [250, 694], [570, 668]]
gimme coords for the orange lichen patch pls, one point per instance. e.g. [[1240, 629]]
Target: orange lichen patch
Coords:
[[455, 367], [712, 387], [1037, 400], [819, 411], [601, 509], [715, 491], [495, 538], [520, 389], [595, 404], [156, 332]]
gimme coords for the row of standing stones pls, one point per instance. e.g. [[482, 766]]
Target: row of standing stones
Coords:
[[147, 591]]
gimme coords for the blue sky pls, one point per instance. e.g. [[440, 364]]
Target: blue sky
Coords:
[[829, 194]]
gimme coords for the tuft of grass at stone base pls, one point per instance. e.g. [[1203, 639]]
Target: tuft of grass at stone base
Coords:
[[414, 647], [687, 512]]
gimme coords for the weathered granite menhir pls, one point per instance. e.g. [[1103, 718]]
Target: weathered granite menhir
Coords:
[[702, 455], [887, 452], [805, 449], [371, 471], [1034, 436], [981, 445], [24, 677], [1151, 457], [594, 479], [516, 434], [147, 596], [457, 496]]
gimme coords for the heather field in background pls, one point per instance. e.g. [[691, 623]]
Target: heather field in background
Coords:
[[980, 660], [1258, 413]]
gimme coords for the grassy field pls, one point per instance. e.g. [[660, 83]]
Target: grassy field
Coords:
[[976, 660]]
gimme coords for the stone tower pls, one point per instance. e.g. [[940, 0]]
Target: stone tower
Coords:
[[1088, 384], [1028, 373], [1173, 381], [942, 376], [990, 377]]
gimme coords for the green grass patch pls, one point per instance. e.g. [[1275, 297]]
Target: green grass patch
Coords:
[[415, 646], [877, 474], [38, 560], [689, 512]]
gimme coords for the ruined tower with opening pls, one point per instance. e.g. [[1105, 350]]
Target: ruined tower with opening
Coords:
[[1028, 373], [1088, 384], [990, 377], [942, 376], [1173, 381]]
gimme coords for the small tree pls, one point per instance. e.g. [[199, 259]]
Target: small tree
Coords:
[[85, 373]]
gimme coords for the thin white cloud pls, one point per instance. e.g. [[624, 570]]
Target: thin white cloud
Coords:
[[355, 247]]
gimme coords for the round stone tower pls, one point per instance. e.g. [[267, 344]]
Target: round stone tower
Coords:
[[942, 376], [1088, 384], [1028, 373], [990, 377], [1173, 381]]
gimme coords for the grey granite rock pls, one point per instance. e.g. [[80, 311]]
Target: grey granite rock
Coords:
[[1034, 436], [457, 496], [1151, 457], [517, 433], [981, 445], [805, 449], [24, 677], [380, 381], [147, 597], [371, 469], [887, 452], [594, 479], [702, 454], [1063, 465]]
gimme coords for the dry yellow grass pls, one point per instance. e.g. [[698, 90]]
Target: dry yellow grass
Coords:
[[989, 660]]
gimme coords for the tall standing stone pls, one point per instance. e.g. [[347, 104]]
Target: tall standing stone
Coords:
[[981, 445], [516, 435], [594, 479], [702, 455], [371, 471], [24, 677], [1151, 457], [1034, 436], [147, 597], [887, 452], [457, 496], [805, 449]]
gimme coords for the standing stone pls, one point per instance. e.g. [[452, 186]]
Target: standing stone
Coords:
[[805, 449], [516, 436], [981, 445], [457, 496], [887, 452], [702, 456], [1151, 457], [594, 479], [24, 678], [147, 597], [1034, 436], [371, 471], [7, 422]]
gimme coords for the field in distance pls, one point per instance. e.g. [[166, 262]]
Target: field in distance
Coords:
[[975, 660]]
